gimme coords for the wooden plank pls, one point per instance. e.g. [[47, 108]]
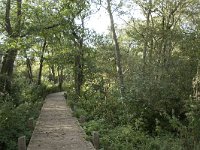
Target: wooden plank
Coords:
[[95, 139], [22, 143], [57, 129]]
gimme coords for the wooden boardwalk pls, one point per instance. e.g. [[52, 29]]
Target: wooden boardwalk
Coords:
[[56, 129]]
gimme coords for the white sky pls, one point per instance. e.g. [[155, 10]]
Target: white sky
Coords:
[[100, 20]]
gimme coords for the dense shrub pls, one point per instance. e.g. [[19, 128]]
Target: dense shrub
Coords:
[[132, 126], [16, 108]]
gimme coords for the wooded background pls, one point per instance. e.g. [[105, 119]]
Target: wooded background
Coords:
[[138, 85]]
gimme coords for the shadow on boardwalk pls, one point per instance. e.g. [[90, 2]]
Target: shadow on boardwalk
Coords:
[[56, 129]]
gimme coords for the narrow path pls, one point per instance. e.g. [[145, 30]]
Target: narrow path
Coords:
[[56, 129]]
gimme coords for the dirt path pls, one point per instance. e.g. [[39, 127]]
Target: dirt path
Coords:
[[56, 129]]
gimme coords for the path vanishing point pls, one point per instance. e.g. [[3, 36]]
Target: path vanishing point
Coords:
[[57, 129]]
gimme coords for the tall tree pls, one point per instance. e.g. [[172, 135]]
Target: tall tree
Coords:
[[78, 60], [29, 67], [10, 55], [117, 51], [41, 61]]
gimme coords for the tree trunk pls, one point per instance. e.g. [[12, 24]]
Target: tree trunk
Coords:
[[146, 42], [9, 57], [41, 63], [78, 62], [60, 78], [7, 69], [29, 68], [53, 74], [78, 72], [117, 51]]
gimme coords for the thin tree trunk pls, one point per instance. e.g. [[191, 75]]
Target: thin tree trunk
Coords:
[[78, 72], [41, 63], [53, 73], [60, 78], [117, 51], [1, 59], [29, 68], [151, 43], [7, 18], [78, 63], [146, 42]]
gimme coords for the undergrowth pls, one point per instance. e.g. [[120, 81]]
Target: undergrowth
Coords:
[[123, 126], [16, 108]]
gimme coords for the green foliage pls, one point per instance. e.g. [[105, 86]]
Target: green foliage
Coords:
[[23, 103], [166, 142], [123, 137], [96, 125], [79, 111], [159, 55]]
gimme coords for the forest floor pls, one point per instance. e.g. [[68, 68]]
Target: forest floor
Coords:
[[56, 128]]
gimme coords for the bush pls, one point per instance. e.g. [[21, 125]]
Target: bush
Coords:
[[132, 124], [123, 138], [23, 103], [164, 142]]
